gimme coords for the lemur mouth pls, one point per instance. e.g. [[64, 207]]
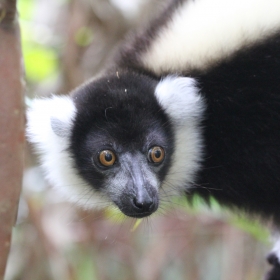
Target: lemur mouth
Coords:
[[139, 216]]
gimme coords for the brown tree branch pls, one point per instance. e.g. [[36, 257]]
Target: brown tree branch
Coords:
[[11, 124]]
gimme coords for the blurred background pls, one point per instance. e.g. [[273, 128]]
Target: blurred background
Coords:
[[64, 43]]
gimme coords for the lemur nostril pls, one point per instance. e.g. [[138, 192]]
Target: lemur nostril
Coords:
[[138, 204], [142, 204]]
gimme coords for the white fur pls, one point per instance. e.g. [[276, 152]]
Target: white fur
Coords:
[[179, 97], [203, 31], [276, 248], [181, 101], [55, 159], [186, 159]]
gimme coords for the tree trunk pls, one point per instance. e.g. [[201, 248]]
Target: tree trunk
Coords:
[[11, 124]]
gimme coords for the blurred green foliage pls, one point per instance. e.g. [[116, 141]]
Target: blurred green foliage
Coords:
[[260, 232], [236, 218], [26, 8], [40, 59]]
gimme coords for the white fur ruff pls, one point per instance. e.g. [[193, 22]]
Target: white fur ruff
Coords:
[[181, 100], [55, 159]]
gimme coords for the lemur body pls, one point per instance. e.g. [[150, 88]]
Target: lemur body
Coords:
[[190, 104]]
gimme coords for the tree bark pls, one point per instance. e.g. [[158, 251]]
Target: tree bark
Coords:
[[11, 124]]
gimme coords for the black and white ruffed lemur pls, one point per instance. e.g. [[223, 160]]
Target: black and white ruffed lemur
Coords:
[[190, 104]]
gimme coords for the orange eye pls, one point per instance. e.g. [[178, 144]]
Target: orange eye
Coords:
[[156, 154], [107, 158]]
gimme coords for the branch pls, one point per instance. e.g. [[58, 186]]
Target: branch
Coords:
[[11, 124]]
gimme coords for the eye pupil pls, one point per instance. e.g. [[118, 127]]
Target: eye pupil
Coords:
[[108, 157], [158, 154]]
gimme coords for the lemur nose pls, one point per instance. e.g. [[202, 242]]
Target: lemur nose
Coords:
[[144, 204], [140, 205]]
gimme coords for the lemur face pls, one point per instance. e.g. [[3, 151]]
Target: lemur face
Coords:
[[122, 142], [127, 140]]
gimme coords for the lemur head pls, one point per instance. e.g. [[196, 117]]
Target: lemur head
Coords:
[[125, 139]]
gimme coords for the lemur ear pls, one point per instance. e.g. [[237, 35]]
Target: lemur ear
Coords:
[[180, 98], [49, 119]]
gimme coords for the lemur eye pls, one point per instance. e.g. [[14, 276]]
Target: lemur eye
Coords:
[[156, 154], [107, 158]]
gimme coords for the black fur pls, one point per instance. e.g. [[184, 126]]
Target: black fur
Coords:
[[274, 273], [242, 130], [120, 113]]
